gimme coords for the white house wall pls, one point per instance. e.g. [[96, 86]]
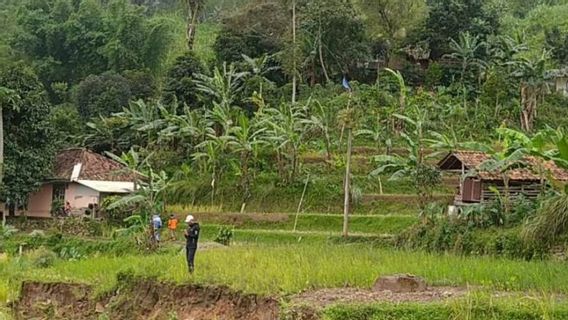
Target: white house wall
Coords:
[[80, 196]]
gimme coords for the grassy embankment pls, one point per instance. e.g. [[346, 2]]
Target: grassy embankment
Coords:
[[290, 269]]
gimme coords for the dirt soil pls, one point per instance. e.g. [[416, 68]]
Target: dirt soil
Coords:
[[324, 297], [54, 301], [141, 299]]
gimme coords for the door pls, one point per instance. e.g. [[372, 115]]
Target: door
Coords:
[[471, 191]]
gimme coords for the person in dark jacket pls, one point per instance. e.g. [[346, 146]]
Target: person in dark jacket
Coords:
[[191, 236]]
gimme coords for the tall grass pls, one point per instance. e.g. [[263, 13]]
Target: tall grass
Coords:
[[290, 269], [550, 222]]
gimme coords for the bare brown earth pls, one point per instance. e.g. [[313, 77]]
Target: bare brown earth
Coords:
[[141, 299], [324, 297], [137, 298]]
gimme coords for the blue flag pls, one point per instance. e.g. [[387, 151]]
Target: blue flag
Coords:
[[346, 84]]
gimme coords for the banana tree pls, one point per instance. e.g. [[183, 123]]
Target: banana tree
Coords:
[[535, 145], [398, 124], [149, 196], [322, 120], [414, 165], [465, 49], [212, 156], [145, 120], [532, 85], [377, 130], [286, 134], [259, 69], [223, 86], [246, 139], [502, 162]]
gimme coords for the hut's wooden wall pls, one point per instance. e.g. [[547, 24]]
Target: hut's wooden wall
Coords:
[[530, 189]]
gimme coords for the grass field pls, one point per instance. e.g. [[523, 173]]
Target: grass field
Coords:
[[293, 268]]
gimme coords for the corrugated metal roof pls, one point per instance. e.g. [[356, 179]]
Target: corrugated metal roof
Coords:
[[109, 186], [473, 159]]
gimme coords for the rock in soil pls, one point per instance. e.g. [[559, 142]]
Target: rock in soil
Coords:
[[400, 283]]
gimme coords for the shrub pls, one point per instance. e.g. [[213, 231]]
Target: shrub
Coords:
[[550, 221], [7, 231], [102, 95], [42, 257], [225, 235], [457, 238], [115, 216], [179, 83]]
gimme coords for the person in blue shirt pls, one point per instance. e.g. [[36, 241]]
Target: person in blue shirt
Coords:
[[156, 225]]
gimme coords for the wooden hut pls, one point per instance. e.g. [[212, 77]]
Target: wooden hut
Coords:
[[477, 186]]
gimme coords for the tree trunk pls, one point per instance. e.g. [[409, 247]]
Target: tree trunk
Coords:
[[399, 123], [192, 16], [320, 51], [347, 186], [529, 100], [328, 147]]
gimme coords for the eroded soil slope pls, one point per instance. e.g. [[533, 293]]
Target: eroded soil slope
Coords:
[[141, 299]]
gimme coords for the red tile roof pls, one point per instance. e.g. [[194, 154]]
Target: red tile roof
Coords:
[[93, 166], [473, 159]]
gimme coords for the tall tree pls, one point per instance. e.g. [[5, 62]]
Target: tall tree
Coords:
[[68, 40], [29, 147], [448, 18], [8, 99]]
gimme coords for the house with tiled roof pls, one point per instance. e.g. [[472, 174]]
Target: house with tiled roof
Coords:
[[479, 186], [80, 180]]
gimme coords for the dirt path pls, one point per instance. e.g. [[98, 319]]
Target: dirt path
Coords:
[[324, 297]]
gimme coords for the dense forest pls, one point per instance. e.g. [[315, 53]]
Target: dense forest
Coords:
[[205, 94]]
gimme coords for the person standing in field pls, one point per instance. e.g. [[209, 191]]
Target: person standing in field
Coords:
[[172, 226], [192, 236], [156, 225]]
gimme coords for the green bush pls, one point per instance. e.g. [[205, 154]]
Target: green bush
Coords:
[[225, 235], [42, 257], [446, 236]]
